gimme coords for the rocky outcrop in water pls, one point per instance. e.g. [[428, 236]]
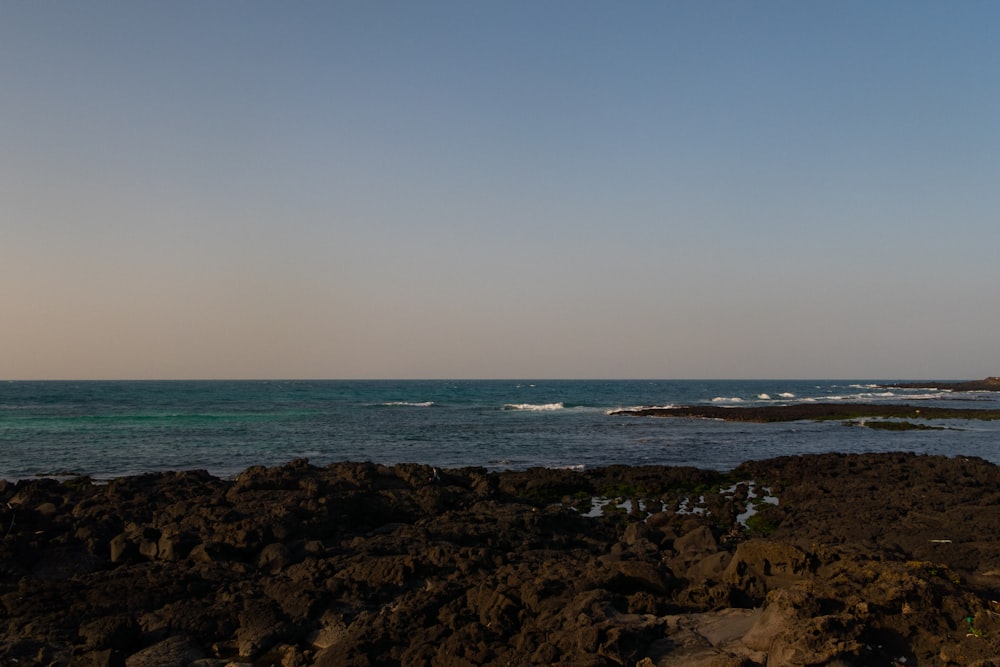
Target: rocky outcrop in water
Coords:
[[816, 560], [986, 384], [810, 411]]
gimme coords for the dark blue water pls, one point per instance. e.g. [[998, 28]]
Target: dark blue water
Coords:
[[109, 429]]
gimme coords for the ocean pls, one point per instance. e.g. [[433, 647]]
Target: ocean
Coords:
[[110, 429]]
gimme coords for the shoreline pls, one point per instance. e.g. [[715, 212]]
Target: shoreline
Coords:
[[866, 558]]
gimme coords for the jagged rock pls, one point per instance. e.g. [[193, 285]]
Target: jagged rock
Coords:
[[274, 557], [759, 566], [171, 652], [119, 631], [260, 627], [696, 544], [869, 559]]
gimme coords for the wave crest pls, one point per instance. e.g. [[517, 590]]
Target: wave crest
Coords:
[[633, 408], [534, 407]]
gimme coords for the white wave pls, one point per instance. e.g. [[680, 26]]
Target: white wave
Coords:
[[864, 397], [868, 396], [668, 406], [863, 386], [727, 399], [764, 397], [786, 394], [410, 404], [534, 407]]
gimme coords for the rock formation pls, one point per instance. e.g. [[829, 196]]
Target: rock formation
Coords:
[[814, 560]]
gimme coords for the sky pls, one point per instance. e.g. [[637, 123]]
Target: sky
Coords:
[[543, 189]]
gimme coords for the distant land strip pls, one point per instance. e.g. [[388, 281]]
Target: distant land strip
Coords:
[[986, 384], [809, 411]]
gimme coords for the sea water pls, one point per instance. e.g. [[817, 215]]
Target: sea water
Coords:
[[110, 429]]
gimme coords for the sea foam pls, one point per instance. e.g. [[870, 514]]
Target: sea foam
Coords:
[[409, 404], [615, 411], [534, 407]]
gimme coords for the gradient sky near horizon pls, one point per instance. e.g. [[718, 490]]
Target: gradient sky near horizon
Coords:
[[570, 189]]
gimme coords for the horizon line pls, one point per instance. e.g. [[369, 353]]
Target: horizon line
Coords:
[[493, 379]]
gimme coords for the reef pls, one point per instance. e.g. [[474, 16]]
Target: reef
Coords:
[[874, 559], [991, 383], [810, 411]]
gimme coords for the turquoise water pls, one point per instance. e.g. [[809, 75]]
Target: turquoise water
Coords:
[[109, 429]]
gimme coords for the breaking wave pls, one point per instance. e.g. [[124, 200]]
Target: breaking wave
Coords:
[[409, 404], [534, 407], [614, 411]]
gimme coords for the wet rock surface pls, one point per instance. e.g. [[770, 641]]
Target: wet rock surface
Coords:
[[879, 559]]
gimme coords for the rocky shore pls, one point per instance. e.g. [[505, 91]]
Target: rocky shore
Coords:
[[834, 410], [991, 383], [833, 559], [810, 411]]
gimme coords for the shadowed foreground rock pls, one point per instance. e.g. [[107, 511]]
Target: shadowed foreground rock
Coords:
[[865, 560]]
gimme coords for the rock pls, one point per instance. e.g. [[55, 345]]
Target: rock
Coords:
[[175, 545], [274, 557], [759, 566], [496, 610], [121, 548], [328, 635], [171, 652], [783, 609], [869, 559], [696, 544], [260, 627], [991, 383], [111, 632], [46, 509], [710, 568], [104, 658], [811, 411], [638, 575]]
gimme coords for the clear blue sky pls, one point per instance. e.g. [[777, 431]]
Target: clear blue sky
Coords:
[[499, 189]]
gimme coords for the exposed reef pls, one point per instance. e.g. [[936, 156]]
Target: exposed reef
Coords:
[[807, 560], [810, 411], [986, 384]]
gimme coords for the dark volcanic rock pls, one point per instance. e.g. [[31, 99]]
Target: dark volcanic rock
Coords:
[[986, 384], [866, 559], [810, 411]]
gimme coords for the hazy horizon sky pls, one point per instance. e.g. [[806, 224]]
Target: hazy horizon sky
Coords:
[[571, 189]]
